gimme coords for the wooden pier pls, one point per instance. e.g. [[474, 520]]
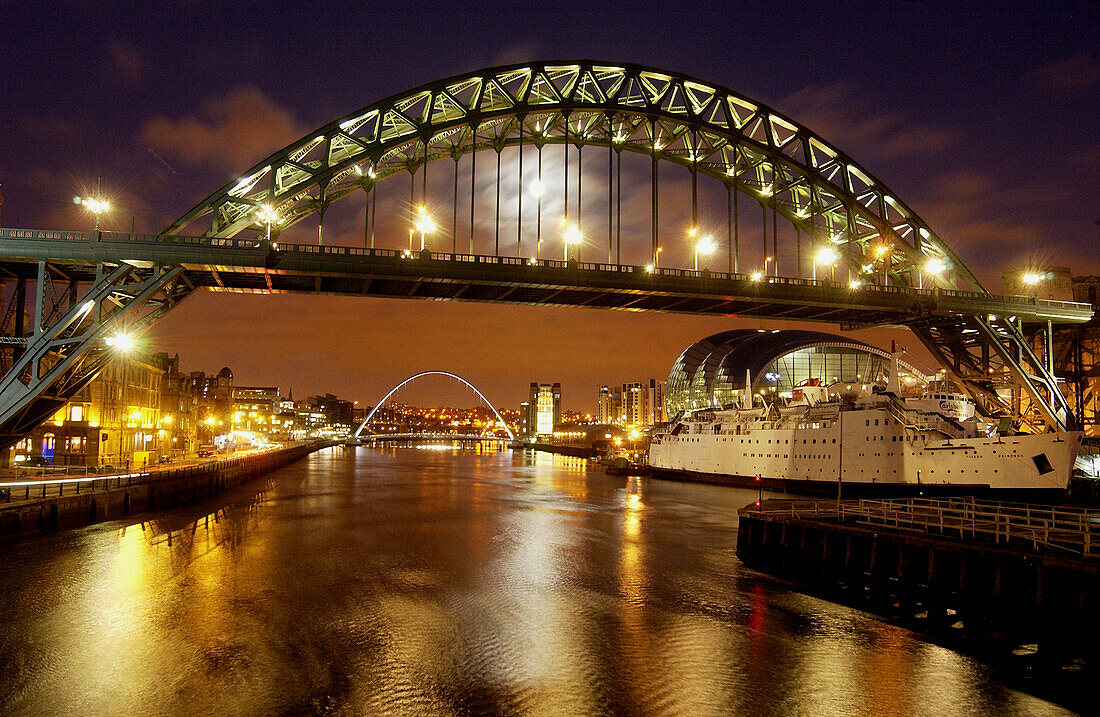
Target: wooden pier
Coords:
[[1015, 580]]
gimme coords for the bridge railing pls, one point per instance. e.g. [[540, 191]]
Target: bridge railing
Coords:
[[482, 259]]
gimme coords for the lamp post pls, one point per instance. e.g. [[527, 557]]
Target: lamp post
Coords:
[[827, 255], [537, 190], [95, 206], [881, 253], [122, 344], [267, 217], [572, 236], [424, 225], [704, 247], [933, 268]]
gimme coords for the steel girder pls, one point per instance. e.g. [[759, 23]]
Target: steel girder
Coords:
[[66, 346], [670, 116], [988, 354]]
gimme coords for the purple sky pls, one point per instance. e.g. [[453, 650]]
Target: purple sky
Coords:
[[983, 119]]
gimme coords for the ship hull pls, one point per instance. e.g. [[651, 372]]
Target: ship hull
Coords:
[[831, 489], [868, 452]]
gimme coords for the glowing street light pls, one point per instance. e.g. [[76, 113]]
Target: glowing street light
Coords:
[[933, 268], [95, 206], [757, 275], [1032, 278], [572, 236], [882, 251], [424, 225], [826, 256], [855, 284], [267, 217], [123, 343], [705, 247]]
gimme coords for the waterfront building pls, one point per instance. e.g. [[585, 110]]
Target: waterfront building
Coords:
[[711, 373], [255, 408], [543, 409], [178, 416], [328, 411], [114, 420]]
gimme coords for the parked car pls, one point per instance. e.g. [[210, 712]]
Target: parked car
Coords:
[[206, 451], [164, 459]]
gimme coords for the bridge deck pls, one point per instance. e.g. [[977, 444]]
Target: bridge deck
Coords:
[[244, 265]]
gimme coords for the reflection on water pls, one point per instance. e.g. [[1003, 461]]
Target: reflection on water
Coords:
[[362, 581]]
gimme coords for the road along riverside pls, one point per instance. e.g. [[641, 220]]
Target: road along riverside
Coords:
[[41, 506]]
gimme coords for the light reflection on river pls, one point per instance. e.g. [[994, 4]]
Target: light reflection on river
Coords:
[[433, 582]]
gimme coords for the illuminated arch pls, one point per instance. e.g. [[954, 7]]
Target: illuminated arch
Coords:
[[672, 117], [394, 390]]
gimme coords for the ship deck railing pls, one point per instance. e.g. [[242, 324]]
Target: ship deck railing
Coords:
[[1066, 530]]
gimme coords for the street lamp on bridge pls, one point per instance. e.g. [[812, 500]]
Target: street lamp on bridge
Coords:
[[537, 190], [267, 217], [933, 268], [572, 236], [705, 247], [424, 225], [826, 256], [95, 206]]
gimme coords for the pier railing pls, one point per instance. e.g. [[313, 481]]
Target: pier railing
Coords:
[[1062, 529]]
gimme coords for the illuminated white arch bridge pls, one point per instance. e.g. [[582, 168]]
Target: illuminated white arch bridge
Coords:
[[358, 437]]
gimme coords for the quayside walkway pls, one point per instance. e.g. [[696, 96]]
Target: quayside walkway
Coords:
[[41, 506], [1011, 580]]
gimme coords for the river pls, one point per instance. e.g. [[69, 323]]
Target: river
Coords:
[[411, 581]]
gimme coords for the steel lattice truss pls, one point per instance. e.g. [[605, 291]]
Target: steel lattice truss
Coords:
[[66, 346], [672, 117]]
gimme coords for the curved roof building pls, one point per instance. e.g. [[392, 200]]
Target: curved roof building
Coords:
[[711, 372]]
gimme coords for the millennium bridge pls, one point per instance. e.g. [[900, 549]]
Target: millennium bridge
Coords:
[[783, 224]]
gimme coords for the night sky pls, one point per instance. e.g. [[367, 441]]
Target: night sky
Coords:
[[983, 119]]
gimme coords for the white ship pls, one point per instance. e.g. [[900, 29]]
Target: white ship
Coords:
[[861, 439]]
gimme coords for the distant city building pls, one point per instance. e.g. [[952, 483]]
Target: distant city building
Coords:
[[141, 410], [655, 402], [543, 409], [631, 404], [608, 403], [332, 412]]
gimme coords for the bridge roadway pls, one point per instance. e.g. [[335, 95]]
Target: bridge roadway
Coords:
[[251, 266]]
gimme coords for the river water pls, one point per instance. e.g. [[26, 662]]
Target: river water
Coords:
[[410, 581]]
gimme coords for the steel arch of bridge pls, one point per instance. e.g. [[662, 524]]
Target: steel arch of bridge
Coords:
[[672, 117], [455, 376]]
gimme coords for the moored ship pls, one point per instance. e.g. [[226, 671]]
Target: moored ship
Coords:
[[860, 434]]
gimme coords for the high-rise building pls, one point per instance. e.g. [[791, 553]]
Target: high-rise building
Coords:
[[605, 407], [632, 404], [655, 402], [543, 409], [634, 409]]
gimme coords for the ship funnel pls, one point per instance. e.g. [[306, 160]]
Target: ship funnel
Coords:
[[893, 383]]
